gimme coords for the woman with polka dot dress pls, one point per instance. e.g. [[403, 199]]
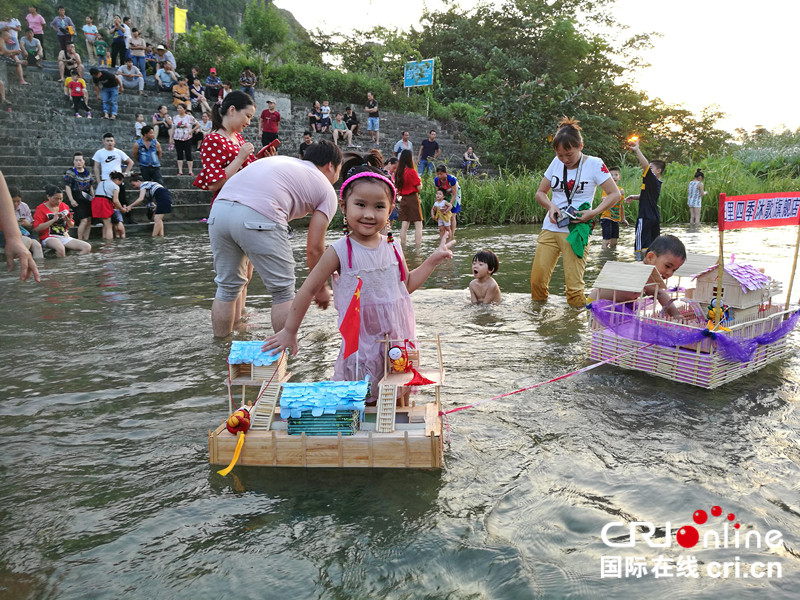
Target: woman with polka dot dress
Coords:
[[224, 151]]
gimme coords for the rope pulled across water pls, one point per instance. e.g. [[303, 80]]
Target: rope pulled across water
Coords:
[[535, 385]]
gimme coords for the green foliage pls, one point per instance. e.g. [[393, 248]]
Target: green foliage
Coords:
[[263, 26], [311, 82], [206, 47], [380, 52]]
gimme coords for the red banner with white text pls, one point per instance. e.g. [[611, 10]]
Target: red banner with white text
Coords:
[[759, 210]]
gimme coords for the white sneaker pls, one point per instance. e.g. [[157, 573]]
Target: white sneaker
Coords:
[[78, 116]]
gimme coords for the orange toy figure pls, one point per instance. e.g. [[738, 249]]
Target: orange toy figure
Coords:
[[238, 421], [398, 357], [237, 424]]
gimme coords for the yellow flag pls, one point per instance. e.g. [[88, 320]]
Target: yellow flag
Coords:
[[180, 20]]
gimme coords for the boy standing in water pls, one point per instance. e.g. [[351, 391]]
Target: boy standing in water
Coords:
[[483, 289], [648, 223], [614, 215]]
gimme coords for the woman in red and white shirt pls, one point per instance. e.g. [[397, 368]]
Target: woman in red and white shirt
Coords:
[[183, 128], [224, 151]]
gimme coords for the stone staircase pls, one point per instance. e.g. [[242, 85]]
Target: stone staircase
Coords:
[[40, 134]]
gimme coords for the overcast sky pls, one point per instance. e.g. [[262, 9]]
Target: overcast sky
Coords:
[[736, 54]]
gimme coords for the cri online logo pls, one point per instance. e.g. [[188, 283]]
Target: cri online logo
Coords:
[[688, 536]]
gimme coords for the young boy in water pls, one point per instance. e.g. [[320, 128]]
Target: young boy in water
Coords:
[[666, 253], [613, 215], [483, 289], [648, 223]]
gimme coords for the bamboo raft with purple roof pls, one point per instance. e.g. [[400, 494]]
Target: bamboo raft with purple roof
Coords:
[[729, 325], [328, 423]]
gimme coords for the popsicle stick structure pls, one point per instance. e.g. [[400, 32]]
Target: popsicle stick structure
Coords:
[[329, 424], [634, 334]]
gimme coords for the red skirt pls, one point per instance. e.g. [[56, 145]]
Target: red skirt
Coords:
[[102, 207]]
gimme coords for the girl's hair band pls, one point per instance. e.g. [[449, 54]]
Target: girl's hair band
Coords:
[[373, 174]]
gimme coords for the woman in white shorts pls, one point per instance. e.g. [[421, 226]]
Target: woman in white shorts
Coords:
[[52, 220]]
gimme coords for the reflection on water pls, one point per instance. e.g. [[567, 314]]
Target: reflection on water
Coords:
[[112, 380]]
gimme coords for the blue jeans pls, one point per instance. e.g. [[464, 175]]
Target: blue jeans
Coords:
[[109, 96], [425, 165], [249, 91], [138, 62]]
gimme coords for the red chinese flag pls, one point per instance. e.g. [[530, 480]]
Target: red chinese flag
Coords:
[[351, 323]]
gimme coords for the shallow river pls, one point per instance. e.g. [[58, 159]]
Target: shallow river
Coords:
[[111, 380]]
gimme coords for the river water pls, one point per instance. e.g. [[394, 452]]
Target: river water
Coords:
[[111, 381]]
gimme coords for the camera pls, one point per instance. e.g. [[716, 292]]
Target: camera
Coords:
[[566, 215]]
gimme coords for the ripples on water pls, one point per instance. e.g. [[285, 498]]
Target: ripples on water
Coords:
[[112, 380]]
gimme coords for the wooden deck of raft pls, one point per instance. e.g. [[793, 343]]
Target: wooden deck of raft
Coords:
[[410, 446]]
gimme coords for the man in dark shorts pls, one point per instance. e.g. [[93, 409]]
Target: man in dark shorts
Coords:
[[79, 182], [648, 223], [270, 120]]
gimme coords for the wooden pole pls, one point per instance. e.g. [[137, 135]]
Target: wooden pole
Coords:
[[166, 19], [720, 270], [794, 266]]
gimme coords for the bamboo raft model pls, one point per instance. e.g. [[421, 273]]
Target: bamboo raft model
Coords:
[[705, 346], [728, 325], [327, 424]]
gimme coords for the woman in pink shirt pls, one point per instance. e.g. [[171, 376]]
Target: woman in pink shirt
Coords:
[[36, 22]]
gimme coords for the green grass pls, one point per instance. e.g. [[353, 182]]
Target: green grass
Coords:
[[510, 198]]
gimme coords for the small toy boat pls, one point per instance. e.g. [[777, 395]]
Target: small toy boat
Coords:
[[328, 424], [709, 344]]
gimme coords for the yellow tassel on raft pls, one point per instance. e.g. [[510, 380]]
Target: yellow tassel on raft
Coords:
[[235, 458]]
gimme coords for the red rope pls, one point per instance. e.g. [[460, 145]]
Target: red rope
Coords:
[[541, 383], [263, 389]]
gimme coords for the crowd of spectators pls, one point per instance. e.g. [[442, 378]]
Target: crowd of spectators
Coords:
[[100, 196]]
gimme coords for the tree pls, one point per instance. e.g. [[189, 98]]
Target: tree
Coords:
[[380, 52], [263, 26], [209, 47]]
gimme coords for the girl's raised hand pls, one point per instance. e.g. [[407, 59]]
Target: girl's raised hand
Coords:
[[443, 252], [279, 341]]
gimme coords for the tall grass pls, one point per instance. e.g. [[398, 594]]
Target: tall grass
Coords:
[[509, 198]]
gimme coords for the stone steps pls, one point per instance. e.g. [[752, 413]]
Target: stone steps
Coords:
[[180, 196], [40, 134], [40, 180]]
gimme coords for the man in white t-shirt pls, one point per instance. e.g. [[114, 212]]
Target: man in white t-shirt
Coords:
[[250, 220], [126, 27], [572, 178], [109, 159]]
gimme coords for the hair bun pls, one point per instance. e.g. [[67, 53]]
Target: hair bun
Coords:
[[567, 122]]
